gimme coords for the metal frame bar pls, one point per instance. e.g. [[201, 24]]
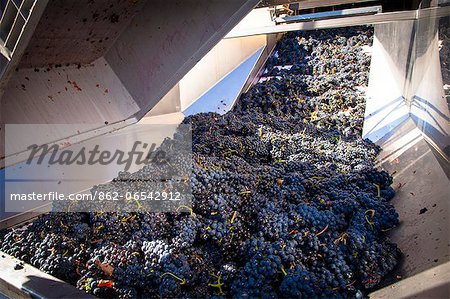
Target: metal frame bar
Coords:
[[331, 23], [307, 4], [24, 37], [330, 14], [344, 22]]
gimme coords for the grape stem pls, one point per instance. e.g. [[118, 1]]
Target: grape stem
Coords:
[[218, 284], [378, 189], [182, 281], [186, 207], [322, 231], [233, 217], [342, 238], [372, 212]]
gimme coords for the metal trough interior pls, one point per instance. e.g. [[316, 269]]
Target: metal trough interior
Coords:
[[102, 63]]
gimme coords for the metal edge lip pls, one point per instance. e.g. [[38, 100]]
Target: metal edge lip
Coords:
[[331, 23], [30, 282], [330, 14], [345, 22]]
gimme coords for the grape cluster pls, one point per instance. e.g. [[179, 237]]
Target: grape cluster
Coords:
[[317, 76], [287, 201], [444, 49]]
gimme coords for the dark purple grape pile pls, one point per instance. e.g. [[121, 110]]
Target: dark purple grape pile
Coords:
[[287, 201], [318, 77]]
